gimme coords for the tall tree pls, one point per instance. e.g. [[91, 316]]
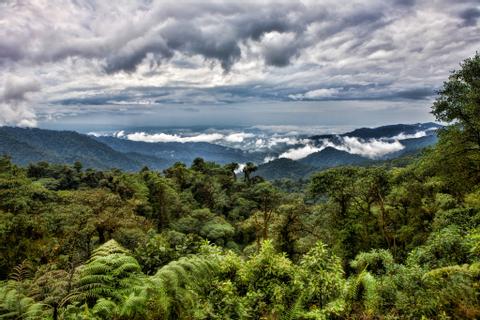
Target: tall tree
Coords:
[[249, 168]]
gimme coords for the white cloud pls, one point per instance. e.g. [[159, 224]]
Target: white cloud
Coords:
[[17, 114], [403, 135], [240, 168], [15, 101], [373, 49], [286, 140], [300, 153], [373, 148], [119, 134], [315, 94], [238, 137], [163, 137]]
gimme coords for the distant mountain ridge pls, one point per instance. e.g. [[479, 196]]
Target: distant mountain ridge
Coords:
[[30, 145], [331, 157], [27, 145], [182, 151], [388, 131]]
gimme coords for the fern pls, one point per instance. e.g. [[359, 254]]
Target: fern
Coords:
[[362, 292], [21, 271], [14, 302], [177, 286], [110, 273], [15, 305]]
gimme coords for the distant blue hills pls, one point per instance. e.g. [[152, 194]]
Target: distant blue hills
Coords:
[[31, 145]]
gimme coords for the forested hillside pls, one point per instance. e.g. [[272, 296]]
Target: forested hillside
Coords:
[[200, 242]]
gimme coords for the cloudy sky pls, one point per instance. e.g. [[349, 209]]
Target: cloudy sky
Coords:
[[68, 63]]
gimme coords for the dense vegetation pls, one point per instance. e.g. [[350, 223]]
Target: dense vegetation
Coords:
[[200, 242]]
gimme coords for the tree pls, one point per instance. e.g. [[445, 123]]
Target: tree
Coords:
[[249, 168], [288, 226], [459, 101], [180, 174], [175, 289], [162, 198], [324, 283], [199, 165], [337, 184], [269, 279], [51, 287], [232, 167], [267, 198], [78, 166]]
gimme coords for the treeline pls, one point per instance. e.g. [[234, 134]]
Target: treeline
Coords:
[[203, 242]]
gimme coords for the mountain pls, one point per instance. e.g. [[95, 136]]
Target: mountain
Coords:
[[413, 137], [27, 145], [331, 157], [284, 168], [65, 147], [30, 145], [294, 169], [419, 143], [184, 152], [386, 131]]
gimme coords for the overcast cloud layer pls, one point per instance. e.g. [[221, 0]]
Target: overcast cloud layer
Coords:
[[60, 58]]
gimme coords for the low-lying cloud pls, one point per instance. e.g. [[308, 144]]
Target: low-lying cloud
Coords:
[[283, 142], [163, 137], [404, 136], [248, 141], [372, 148], [300, 153], [238, 137]]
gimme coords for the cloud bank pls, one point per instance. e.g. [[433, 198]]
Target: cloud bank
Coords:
[[283, 142], [163, 137], [300, 153], [372, 148], [94, 54]]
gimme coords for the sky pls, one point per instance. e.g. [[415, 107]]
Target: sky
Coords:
[[93, 64]]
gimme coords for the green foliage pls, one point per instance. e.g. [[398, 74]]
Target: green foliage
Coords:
[[269, 279], [322, 276], [110, 273], [443, 248], [177, 286]]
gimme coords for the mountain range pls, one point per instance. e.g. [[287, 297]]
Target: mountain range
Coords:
[[413, 138], [29, 145]]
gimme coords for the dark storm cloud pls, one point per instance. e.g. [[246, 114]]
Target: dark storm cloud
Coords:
[[470, 16], [415, 94], [213, 30], [245, 93], [216, 34], [406, 3]]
